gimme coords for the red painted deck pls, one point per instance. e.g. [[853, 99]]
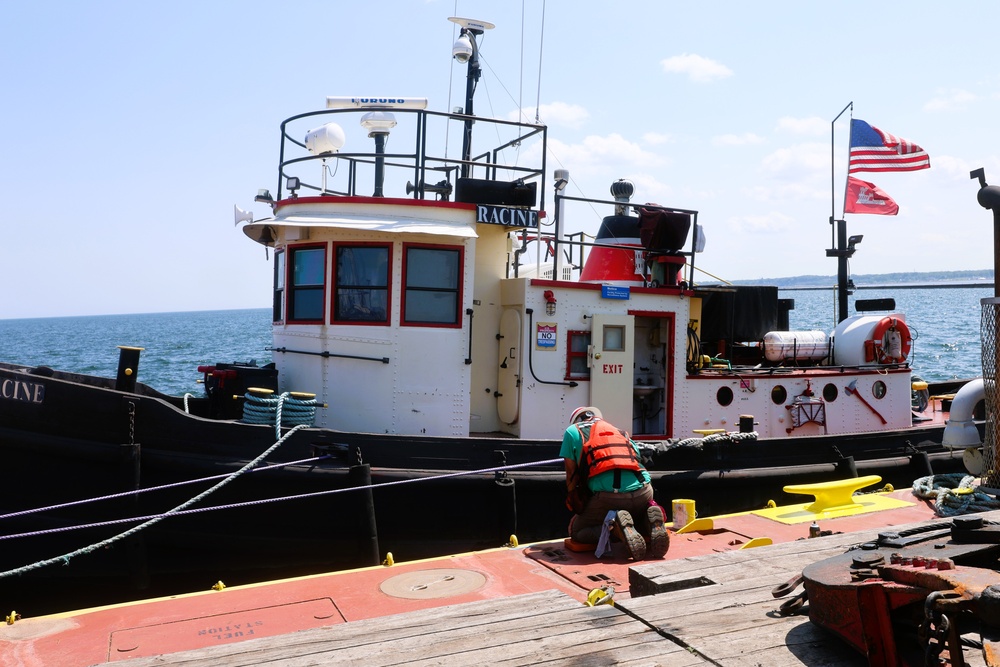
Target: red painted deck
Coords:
[[212, 618]]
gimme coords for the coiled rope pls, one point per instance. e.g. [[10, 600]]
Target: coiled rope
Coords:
[[954, 494], [65, 558], [734, 437], [283, 410]]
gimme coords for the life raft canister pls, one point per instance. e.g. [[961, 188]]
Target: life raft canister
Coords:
[[890, 342], [606, 448]]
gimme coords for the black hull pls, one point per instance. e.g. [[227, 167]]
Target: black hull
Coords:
[[85, 440]]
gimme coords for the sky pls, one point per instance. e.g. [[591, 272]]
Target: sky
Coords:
[[131, 129]]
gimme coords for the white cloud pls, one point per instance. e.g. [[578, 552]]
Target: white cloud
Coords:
[[698, 68], [747, 138], [813, 127], [773, 222], [954, 99], [555, 114], [606, 151], [794, 160], [656, 138]]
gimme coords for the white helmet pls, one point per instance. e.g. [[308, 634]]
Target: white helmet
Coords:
[[585, 413]]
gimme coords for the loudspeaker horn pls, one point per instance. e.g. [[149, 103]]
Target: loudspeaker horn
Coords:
[[240, 215]]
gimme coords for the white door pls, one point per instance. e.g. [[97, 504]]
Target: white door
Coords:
[[611, 361], [509, 367]]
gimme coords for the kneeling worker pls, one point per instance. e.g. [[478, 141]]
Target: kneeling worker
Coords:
[[603, 474]]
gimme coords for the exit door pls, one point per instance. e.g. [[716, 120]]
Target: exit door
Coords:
[[611, 357]]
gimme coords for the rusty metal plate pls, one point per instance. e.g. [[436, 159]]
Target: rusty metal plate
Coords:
[[225, 628], [433, 584]]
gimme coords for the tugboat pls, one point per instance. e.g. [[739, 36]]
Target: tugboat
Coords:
[[424, 371]]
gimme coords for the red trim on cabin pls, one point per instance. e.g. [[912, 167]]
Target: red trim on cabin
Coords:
[[461, 286], [565, 284], [290, 289], [334, 285], [375, 201], [570, 355]]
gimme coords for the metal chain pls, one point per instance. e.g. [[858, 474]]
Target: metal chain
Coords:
[[131, 423], [933, 631]]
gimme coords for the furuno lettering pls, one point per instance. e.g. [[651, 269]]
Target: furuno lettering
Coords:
[[19, 390], [378, 100], [506, 216]]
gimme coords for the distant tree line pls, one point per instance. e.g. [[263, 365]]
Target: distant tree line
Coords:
[[907, 277]]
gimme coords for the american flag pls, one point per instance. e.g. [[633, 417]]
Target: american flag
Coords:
[[875, 150]]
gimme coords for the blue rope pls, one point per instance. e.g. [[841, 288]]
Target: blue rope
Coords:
[[283, 410], [65, 558], [251, 503], [954, 494], [136, 492]]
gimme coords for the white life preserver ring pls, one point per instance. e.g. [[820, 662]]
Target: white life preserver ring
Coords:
[[891, 341]]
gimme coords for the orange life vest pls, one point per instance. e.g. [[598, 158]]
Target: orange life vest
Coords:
[[606, 448]]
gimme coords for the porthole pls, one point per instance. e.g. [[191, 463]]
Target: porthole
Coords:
[[878, 389], [724, 396], [779, 395], [830, 392]]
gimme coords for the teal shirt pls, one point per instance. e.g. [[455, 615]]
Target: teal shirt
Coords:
[[572, 446]]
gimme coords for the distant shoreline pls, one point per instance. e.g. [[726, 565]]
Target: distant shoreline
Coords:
[[962, 285]]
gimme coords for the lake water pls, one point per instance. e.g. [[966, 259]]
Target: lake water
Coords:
[[944, 323]]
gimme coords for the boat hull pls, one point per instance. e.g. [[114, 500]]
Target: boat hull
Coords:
[[429, 495]]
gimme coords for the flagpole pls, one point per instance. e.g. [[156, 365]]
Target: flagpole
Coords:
[[838, 235]]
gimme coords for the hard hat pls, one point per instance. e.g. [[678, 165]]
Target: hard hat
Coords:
[[584, 414]]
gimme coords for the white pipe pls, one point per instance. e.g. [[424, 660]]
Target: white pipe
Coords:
[[961, 431]]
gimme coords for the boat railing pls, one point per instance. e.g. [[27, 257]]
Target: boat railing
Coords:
[[420, 173], [574, 246]]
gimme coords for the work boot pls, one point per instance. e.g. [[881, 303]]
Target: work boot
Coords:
[[659, 541], [624, 529]]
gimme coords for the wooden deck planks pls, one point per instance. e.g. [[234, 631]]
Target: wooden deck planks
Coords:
[[548, 628], [731, 620]]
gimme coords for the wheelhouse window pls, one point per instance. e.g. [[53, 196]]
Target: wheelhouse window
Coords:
[[361, 284], [278, 307], [576, 355], [432, 286], [307, 275]]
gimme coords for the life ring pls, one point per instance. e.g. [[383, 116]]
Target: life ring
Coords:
[[891, 341]]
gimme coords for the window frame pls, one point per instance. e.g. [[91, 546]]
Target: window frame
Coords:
[[570, 354], [279, 292], [291, 289], [335, 287], [458, 290]]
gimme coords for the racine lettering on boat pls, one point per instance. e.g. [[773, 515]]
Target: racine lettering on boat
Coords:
[[18, 390], [506, 216]]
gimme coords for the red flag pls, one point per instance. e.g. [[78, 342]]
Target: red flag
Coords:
[[864, 197]]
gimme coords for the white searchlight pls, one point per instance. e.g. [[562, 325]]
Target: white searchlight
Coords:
[[325, 140]]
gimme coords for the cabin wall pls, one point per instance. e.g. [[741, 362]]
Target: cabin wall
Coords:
[[814, 403], [491, 253], [549, 392], [424, 385]]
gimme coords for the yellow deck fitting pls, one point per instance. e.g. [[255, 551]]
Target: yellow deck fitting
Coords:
[[697, 526], [218, 586], [388, 562], [758, 542], [707, 431], [833, 495]]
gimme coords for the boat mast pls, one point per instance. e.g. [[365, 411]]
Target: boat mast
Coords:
[[466, 50], [843, 249]]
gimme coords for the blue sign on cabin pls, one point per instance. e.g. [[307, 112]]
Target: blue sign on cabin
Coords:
[[615, 292]]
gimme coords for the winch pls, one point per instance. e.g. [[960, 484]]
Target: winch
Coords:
[[918, 597]]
